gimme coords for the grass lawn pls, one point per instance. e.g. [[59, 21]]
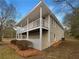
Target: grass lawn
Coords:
[[8, 53]]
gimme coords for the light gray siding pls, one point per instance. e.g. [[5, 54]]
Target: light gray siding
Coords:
[[45, 42], [56, 32]]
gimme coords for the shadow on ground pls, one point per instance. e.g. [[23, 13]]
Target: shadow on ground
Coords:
[[69, 49]]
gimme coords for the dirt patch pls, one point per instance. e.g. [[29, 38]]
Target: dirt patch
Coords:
[[56, 44], [69, 49], [12, 46], [26, 53]]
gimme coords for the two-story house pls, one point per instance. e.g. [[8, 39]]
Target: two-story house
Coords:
[[40, 26]]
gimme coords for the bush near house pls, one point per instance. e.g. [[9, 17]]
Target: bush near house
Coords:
[[22, 44], [13, 42]]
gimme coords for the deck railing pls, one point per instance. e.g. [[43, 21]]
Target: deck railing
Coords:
[[45, 23], [36, 23]]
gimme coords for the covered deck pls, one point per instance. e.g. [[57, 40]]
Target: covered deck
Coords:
[[35, 25], [33, 36]]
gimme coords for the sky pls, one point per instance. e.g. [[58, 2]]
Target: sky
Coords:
[[23, 7]]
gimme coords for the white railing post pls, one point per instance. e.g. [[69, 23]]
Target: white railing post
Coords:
[[40, 28], [49, 29], [27, 28]]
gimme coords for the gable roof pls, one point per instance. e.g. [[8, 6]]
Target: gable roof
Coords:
[[36, 9]]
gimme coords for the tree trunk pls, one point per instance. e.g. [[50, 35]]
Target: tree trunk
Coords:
[[0, 36], [1, 32]]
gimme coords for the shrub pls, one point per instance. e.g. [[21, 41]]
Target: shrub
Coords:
[[63, 39], [13, 42], [24, 44]]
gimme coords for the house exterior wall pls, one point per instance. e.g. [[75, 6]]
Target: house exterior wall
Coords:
[[36, 43], [35, 38], [41, 38], [51, 30], [56, 32], [45, 42]]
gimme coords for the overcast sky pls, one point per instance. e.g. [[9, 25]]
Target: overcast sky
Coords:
[[59, 9]]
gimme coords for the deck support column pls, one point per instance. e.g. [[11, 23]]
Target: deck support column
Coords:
[[27, 29], [40, 28], [16, 35], [27, 35], [21, 36], [49, 23]]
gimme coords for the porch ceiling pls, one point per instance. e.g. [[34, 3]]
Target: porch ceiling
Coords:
[[35, 13]]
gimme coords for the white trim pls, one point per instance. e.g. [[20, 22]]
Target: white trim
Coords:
[[33, 28], [40, 28], [49, 24], [27, 28], [18, 35], [45, 28], [27, 35], [21, 35]]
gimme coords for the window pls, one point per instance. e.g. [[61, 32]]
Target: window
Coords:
[[54, 35]]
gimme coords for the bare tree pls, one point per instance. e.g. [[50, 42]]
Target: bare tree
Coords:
[[7, 12], [66, 2]]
